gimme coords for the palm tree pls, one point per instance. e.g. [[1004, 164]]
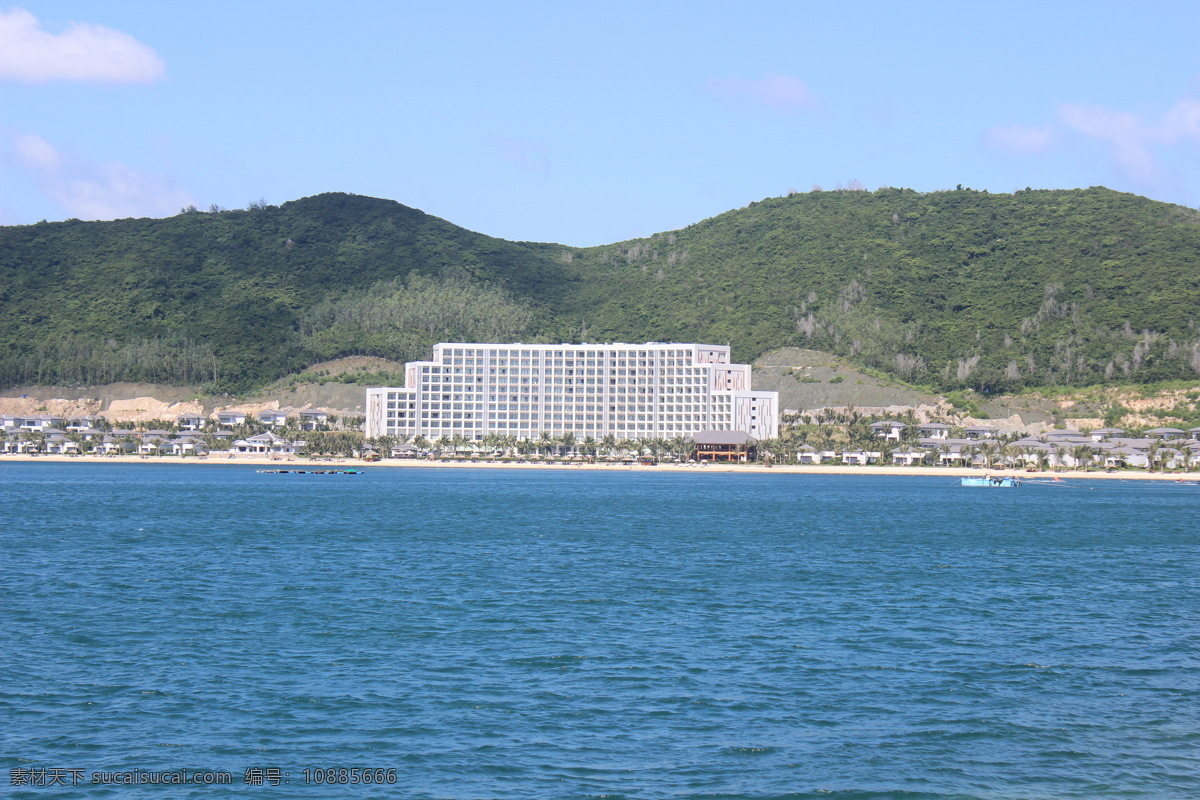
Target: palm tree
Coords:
[[567, 441], [767, 450], [384, 444], [608, 444], [1081, 454], [968, 453], [1166, 456], [546, 442], [988, 451], [588, 447], [654, 445], [1010, 453], [491, 442], [937, 451], [1027, 455]]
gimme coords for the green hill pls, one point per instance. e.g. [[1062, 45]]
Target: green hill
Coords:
[[955, 289], [950, 289], [228, 298]]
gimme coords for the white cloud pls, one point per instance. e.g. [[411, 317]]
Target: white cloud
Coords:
[[1127, 136], [527, 156], [777, 92], [81, 52], [1021, 139], [1182, 121], [35, 153], [90, 190], [1137, 145]]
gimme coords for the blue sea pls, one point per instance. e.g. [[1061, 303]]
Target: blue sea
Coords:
[[572, 634]]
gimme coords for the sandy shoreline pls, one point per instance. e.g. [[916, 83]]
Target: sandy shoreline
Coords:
[[822, 469]]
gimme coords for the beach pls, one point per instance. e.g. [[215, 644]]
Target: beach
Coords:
[[800, 469]]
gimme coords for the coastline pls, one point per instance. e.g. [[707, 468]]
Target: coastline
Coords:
[[755, 469]]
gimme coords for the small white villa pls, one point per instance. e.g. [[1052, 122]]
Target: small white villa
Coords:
[[276, 419], [266, 444], [934, 430], [889, 430], [313, 419], [190, 422]]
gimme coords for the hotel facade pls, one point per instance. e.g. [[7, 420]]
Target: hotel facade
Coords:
[[631, 391]]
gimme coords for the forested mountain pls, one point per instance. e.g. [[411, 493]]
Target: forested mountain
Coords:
[[951, 289], [232, 299]]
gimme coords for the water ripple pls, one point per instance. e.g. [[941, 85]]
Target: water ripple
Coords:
[[569, 635]]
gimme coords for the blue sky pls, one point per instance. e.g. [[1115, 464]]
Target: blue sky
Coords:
[[585, 123]]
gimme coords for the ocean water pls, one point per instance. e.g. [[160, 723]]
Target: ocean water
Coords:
[[572, 634]]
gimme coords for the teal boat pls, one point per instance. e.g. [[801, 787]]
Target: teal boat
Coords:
[[992, 480]]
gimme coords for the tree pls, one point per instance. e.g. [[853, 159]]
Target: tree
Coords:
[[588, 447], [680, 447], [768, 451], [988, 451], [384, 444], [1081, 455], [968, 453]]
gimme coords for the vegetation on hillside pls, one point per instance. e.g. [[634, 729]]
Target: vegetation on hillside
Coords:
[[953, 290], [957, 289], [403, 319], [233, 299]]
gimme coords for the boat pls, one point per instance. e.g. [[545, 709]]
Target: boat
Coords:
[[1004, 481]]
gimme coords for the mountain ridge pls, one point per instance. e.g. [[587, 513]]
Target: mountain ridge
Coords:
[[952, 290]]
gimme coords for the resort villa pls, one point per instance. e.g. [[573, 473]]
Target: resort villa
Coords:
[[629, 391]]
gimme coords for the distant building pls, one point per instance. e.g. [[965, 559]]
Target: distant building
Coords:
[[190, 422], [888, 429], [30, 422], [625, 390], [724, 446], [275, 419], [934, 430], [313, 419]]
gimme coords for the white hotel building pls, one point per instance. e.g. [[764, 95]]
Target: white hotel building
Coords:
[[631, 391]]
